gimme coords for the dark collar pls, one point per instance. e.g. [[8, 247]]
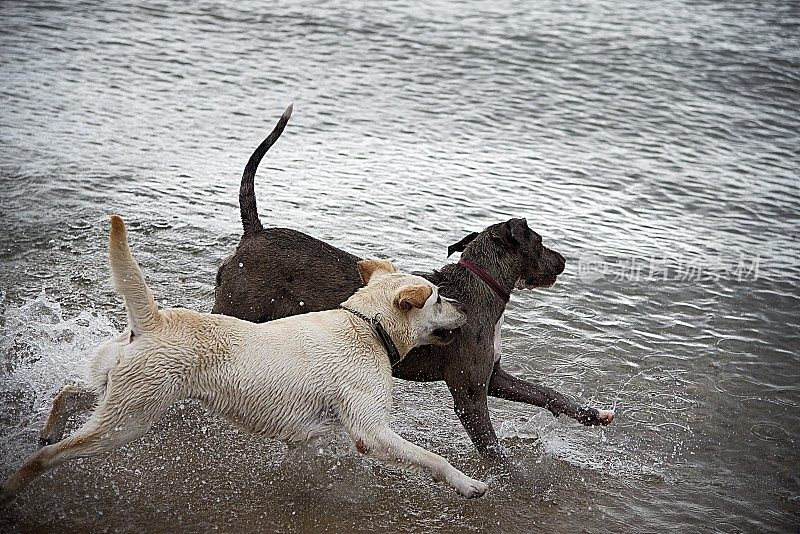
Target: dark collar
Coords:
[[383, 335], [487, 279]]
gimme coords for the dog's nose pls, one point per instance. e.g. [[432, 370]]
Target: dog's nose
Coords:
[[562, 262]]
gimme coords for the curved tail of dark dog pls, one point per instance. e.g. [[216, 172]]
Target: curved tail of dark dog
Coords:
[[247, 194]]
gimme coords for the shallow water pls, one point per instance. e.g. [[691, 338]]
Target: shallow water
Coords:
[[655, 146]]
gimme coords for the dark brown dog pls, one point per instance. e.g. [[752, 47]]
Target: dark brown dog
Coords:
[[277, 272]]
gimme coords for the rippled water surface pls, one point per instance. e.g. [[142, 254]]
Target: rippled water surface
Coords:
[[654, 145]]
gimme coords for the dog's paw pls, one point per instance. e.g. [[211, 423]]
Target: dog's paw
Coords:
[[498, 455], [471, 488], [595, 417], [605, 416]]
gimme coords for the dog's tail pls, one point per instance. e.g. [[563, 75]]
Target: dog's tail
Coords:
[[247, 194], [129, 281]]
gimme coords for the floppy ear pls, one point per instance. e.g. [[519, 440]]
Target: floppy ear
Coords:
[[461, 245], [412, 297], [369, 268], [512, 232]]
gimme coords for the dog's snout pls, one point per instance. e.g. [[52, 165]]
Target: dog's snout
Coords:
[[562, 262], [553, 262], [460, 306]]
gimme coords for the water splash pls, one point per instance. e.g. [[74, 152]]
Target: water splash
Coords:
[[40, 351], [624, 384], [634, 446]]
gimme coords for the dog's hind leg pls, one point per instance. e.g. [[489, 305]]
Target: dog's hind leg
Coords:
[[123, 415], [506, 386], [70, 401], [91, 439], [384, 444]]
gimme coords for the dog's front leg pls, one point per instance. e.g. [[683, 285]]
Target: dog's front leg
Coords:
[[469, 391], [384, 444], [506, 386]]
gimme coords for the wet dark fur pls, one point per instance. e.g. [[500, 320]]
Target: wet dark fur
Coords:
[[273, 270]]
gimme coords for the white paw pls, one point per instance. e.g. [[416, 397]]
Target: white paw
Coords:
[[470, 488]]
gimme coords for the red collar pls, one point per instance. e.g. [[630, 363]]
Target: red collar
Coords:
[[487, 279]]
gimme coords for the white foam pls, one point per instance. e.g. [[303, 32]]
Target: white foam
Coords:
[[40, 351], [585, 448]]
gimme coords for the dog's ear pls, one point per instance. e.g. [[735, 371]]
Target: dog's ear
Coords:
[[371, 268], [412, 297], [512, 232], [461, 245], [519, 230]]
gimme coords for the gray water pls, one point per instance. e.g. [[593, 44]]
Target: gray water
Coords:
[[655, 145]]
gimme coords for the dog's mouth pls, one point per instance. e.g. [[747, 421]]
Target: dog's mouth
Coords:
[[536, 281], [444, 336]]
